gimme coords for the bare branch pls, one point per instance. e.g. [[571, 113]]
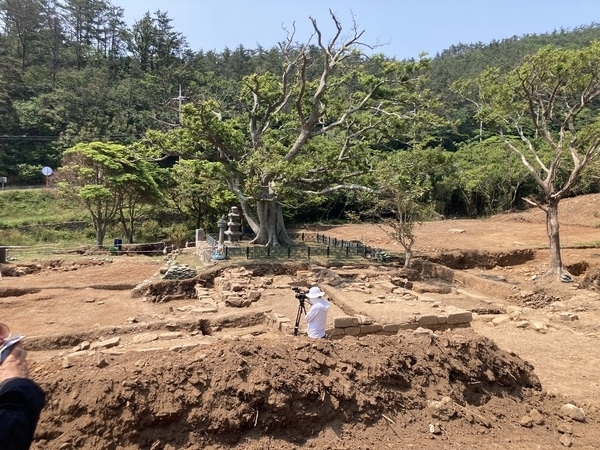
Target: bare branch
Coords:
[[534, 202], [319, 181], [524, 160], [349, 187]]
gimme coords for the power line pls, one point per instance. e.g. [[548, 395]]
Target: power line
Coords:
[[27, 138], [23, 138]]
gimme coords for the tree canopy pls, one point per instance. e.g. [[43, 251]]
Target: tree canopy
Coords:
[[109, 184], [549, 103], [302, 122], [309, 129]]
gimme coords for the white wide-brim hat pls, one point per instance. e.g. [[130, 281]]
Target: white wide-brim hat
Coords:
[[315, 292]]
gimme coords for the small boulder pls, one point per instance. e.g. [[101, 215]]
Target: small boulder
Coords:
[[536, 417], [443, 409], [573, 412], [566, 440], [526, 422]]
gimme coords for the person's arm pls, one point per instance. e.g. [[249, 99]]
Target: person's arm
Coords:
[[21, 401], [312, 313]]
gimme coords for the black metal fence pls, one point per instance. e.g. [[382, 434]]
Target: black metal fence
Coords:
[[310, 245]]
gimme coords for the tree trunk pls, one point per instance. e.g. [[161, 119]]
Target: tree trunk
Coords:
[[271, 229], [407, 258], [100, 233], [552, 229], [129, 230]]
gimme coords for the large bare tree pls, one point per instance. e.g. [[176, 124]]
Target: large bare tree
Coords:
[[306, 131], [546, 111]]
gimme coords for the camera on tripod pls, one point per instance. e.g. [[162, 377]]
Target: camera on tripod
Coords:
[[300, 295]]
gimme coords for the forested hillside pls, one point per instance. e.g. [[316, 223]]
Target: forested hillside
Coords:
[[469, 59], [72, 72]]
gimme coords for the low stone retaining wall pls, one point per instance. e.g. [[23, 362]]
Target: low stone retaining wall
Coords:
[[359, 325], [362, 325], [468, 280]]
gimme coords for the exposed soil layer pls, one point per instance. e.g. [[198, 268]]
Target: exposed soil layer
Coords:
[[284, 393], [171, 377]]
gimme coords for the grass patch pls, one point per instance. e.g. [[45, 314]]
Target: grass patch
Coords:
[[592, 244], [30, 207]]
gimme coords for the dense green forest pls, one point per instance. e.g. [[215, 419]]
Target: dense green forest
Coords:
[[72, 73]]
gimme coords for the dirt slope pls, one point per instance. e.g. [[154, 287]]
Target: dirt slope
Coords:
[[288, 393]]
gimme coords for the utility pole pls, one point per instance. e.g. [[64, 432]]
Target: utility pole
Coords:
[[179, 99]]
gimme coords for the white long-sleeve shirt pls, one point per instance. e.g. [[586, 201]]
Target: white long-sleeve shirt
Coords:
[[316, 318]]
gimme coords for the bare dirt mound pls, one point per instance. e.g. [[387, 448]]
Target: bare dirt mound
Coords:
[[422, 390]]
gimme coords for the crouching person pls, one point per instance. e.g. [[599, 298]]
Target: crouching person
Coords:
[[316, 317]]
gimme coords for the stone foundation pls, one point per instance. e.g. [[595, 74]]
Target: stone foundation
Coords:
[[361, 326]]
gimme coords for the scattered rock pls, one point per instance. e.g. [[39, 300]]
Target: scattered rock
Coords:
[[568, 317], [435, 428], [565, 428], [499, 320], [145, 338], [536, 417], [170, 335], [573, 412], [443, 409], [234, 301], [423, 332], [526, 422], [101, 362], [66, 363], [539, 327], [108, 343], [566, 440]]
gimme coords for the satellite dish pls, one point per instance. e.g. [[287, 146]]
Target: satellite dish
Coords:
[[47, 171]]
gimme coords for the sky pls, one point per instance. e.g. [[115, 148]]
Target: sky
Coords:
[[402, 28]]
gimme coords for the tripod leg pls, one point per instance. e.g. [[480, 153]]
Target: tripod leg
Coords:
[[297, 325], [301, 309]]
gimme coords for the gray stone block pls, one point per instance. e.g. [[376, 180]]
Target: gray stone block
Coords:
[[145, 338], [352, 331], [335, 332], [388, 286], [281, 321], [345, 321], [459, 316], [108, 343], [170, 335], [426, 320], [370, 329]]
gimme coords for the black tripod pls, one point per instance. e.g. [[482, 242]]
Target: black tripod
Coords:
[[301, 309]]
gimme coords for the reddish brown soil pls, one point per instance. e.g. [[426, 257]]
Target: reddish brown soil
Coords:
[[226, 379]]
